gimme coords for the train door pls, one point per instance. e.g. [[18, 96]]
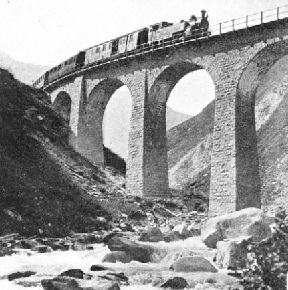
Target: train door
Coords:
[[80, 59], [115, 45], [142, 38], [46, 80], [122, 44]]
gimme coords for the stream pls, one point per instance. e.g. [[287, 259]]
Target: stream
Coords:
[[141, 276]]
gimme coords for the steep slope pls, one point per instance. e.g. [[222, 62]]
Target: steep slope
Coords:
[[189, 146], [44, 184], [25, 72]]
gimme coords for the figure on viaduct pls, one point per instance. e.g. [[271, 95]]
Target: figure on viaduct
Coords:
[[236, 62]]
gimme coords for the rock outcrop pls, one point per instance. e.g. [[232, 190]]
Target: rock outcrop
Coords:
[[245, 223], [136, 251]]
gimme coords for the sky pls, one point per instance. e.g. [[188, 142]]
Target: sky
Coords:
[[47, 32]]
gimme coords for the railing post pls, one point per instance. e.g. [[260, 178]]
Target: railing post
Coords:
[[247, 21], [261, 17], [220, 28], [277, 13], [233, 24]]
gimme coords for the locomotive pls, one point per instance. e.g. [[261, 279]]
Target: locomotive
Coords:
[[152, 36]]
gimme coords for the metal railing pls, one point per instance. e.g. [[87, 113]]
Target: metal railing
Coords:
[[198, 34], [250, 20]]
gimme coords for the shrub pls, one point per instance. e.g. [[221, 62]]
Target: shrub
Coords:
[[268, 259]]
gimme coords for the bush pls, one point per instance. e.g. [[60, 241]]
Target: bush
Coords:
[[268, 259]]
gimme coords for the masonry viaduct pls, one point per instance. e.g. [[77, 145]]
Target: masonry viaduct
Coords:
[[236, 62]]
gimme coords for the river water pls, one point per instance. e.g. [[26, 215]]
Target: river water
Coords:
[[49, 265]]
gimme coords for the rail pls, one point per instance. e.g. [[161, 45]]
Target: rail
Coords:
[[198, 34]]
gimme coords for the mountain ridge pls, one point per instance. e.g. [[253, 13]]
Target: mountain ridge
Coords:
[[24, 72]]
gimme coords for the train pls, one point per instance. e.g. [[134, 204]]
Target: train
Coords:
[[153, 36]]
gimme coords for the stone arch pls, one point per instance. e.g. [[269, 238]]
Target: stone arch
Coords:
[[155, 141], [250, 187], [90, 138], [62, 104]]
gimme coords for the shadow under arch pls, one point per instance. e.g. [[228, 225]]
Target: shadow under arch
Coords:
[[155, 140], [90, 132], [250, 85], [62, 104]]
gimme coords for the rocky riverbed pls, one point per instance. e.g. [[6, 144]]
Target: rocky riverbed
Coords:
[[147, 253], [136, 275]]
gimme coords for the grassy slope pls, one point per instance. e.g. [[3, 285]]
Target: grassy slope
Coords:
[[43, 182]]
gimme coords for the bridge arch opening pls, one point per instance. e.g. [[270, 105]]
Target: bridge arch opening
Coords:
[[170, 82], [92, 132], [116, 124], [62, 104], [262, 105]]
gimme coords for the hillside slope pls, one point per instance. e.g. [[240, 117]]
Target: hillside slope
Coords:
[[174, 118], [189, 146], [190, 143], [44, 184]]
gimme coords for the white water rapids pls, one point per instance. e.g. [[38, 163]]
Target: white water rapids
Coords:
[[49, 265]]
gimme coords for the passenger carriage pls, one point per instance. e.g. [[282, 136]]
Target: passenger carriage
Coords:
[[128, 44], [97, 53]]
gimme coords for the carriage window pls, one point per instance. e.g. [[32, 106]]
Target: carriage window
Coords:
[[110, 45], [131, 37], [104, 47], [155, 27], [166, 24], [98, 49]]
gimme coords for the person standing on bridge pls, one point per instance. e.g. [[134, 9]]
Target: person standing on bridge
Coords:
[[204, 24]]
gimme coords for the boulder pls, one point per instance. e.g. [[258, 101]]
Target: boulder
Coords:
[[26, 244], [137, 214], [74, 273], [18, 275], [42, 249], [153, 234], [182, 229], [110, 235], [171, 236], [117, 256], [117, 277], [86, 238], [137, 252], [231, 254], [248, 222], [98, 268], [101, 219], [194, 229], [193, 264], [60, 283], [175, 283]]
